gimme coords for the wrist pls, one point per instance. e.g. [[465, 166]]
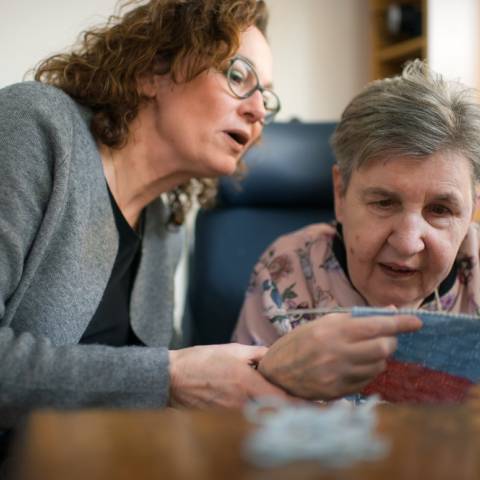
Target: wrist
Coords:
[[172, 371]]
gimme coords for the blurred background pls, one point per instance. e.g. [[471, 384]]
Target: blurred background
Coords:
[[324, 50]]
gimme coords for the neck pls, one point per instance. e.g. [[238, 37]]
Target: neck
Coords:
[[135, 176]]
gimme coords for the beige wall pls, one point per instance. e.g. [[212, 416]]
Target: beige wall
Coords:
[[31, 30], [454, 39], [320, 55], [320, 46]]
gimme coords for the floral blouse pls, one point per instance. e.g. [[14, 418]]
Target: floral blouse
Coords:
[[307, 269]]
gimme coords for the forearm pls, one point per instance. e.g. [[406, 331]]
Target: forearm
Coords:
[[36, 374]]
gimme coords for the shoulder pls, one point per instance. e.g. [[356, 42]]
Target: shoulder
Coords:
[[318, 235], [467, 260], [290, 255], [470, 246], [39, 122], [474, 230], [468, 256], [39, 106], [35, 95]]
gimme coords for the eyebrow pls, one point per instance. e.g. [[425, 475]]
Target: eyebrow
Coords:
[[447, 197], [268, 85], [379, 192]]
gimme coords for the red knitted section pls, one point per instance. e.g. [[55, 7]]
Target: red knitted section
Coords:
[[412, 383]]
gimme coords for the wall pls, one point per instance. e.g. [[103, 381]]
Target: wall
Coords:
[[320, 46], [320, 52], [454, 39], [31, 30]]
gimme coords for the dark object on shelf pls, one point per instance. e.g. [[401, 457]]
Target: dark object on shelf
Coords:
[[404, 20]]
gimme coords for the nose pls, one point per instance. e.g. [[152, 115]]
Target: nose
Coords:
[[408, 234], [253, 108]]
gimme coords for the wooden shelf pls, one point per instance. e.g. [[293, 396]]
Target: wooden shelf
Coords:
[[383, 4], [390, 52], [406, 49]]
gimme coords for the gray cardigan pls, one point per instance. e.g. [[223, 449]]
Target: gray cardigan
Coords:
[[58, 243]]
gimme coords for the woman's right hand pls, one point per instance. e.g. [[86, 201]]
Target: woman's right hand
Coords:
[[335, 355]]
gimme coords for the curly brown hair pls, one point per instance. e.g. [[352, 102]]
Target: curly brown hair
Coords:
[[180, 37]]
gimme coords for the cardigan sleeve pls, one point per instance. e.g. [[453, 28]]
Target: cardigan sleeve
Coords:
[[35, 126]]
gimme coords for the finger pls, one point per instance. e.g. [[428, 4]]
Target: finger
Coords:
[[364, 373], [258, 386], [349, 384], [404, 324], [371, 351], [352, 388], [363, 328]]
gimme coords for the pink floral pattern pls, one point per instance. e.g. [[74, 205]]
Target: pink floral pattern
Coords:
[[300, 270], [279, 267]]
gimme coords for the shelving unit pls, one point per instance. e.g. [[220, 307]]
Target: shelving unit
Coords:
[[390, 52]]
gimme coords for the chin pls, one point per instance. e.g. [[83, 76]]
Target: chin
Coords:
[[395, 301], [225, 168], [401, 303]]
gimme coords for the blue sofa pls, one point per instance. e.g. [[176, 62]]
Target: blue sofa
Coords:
[[288, 185]]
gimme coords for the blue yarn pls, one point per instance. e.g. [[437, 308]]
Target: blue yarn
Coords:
[[447, 342]]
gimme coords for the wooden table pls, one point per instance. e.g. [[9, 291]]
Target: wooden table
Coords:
[[426, 443]]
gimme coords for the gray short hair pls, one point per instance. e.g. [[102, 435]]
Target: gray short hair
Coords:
[[417, 113]]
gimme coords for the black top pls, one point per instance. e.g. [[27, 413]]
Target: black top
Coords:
[[110, 324]]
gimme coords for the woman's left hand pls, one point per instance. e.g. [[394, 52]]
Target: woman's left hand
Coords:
[[334, 356], [218, 375]]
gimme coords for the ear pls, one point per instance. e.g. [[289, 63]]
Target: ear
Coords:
[[338, 192], [147, 85]]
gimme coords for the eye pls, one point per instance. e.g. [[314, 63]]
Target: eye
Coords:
[[440, 210], [237, 76], [383, 204]]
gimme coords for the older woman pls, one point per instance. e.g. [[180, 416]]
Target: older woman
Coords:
[[168, 94], [408, 159]]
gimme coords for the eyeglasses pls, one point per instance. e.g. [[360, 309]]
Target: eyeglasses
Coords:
[[243, 83]]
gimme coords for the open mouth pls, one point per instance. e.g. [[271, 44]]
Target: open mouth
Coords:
[[397, 270], [240, 138]]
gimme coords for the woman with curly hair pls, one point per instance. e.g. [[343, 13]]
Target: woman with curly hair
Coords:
[[101, 158]]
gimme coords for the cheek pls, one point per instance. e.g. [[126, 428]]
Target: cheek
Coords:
[[443, 251], [364, 245]]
